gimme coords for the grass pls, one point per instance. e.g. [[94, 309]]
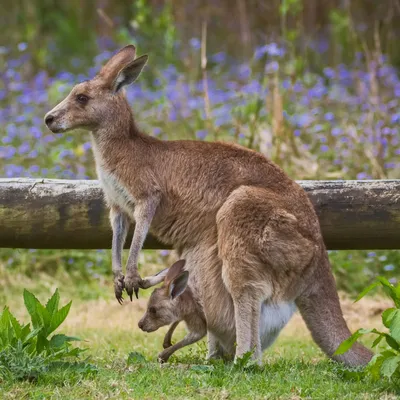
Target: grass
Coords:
[[294, 368]]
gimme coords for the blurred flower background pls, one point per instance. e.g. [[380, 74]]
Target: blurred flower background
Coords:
[[313, 85]]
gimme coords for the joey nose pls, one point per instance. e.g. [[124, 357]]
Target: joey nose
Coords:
[[49, 119]]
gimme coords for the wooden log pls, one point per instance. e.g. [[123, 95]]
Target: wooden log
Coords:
[[65, 214]]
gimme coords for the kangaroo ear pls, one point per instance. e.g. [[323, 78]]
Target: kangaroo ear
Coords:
[[178, 285], [122, 69], [130, 73]]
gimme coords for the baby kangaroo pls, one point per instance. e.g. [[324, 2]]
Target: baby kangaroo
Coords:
[[177, 300], [171, 303], [226, 209]]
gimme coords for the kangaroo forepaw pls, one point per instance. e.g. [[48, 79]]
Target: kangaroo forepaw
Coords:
[[119, 288], [132, 284]]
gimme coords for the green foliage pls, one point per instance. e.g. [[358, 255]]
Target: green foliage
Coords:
[[355, 270], [385, 363], [25, 352], [135, 357]]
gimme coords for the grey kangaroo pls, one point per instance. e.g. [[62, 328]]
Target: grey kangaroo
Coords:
[[221, 206]]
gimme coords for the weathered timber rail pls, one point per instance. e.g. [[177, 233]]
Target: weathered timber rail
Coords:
[[64, 214]]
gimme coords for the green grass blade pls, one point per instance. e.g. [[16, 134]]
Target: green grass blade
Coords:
[[366, 290]]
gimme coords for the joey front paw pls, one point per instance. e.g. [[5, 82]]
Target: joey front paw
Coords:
[[132, 284], [163, 357], [119, 286]]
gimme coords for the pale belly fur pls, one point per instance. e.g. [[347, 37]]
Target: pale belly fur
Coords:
[[115, 192]]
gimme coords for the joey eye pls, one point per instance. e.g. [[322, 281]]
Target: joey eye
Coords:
[[82, 98], [152, 310]]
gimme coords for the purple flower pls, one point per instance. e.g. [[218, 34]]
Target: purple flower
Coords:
[[244, 71], [329, 73], [272, 66], [36, 132], [22, 46], [24, 148], [361, 175], [271, 49], [201, 134], [34, 169], [395, 118], [388, 267], [195, 43], [302, 120], [219, 58]]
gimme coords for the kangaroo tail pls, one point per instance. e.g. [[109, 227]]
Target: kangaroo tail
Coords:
[[320, 308]]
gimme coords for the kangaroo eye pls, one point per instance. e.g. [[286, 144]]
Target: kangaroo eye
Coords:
[[152, 310], [82, 98]]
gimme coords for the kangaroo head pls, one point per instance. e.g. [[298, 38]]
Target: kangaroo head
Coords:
[[96, 103], [162, 307]]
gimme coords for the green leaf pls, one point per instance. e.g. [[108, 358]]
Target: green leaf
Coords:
[[59, 317], [387, 316], [389, 290], [365, 291], [59, 340], [395, 325], [374, 366], [52, 304], [16, 325], [377, 341], [32, 335], [348, 343], [389, 366], [42, 343], [31, 304], [25, 331], [392, 342]]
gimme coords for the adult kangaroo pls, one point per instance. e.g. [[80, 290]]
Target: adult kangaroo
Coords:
[[220, 205]]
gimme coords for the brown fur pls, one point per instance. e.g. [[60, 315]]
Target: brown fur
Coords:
[[228, 210]]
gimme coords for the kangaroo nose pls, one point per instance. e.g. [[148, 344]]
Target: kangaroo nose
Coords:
[[140, 324], [49, 119]]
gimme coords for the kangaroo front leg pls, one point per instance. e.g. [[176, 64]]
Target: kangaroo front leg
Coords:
[[143, 215], [191, 338], [120, 225], [168, 336]]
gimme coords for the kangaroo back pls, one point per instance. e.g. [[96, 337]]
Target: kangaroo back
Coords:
[[320, 308]]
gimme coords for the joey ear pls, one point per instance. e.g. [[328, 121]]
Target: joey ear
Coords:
[[178, 285], [174, 270], [130, 73]]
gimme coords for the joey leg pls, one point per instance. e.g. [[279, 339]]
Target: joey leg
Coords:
[[214, 348], [168, 336], [190, 338]]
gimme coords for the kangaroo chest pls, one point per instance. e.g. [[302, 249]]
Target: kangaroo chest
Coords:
[[115, 192]]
